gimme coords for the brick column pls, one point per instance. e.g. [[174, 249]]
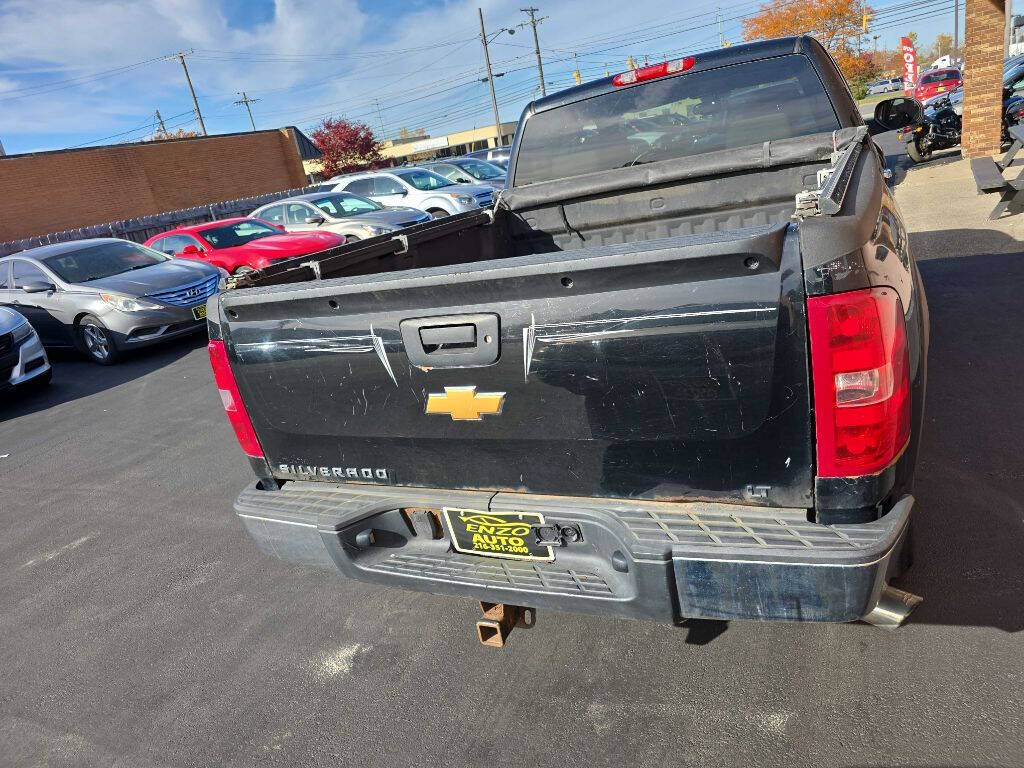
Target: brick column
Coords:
[[983, 77]]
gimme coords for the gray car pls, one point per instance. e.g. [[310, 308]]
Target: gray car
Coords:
[[468, 170], [106, 296], [343, 213], [23, 360]]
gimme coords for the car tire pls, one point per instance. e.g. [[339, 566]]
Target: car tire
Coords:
[[916, 153], [96, 341], [438, 213]]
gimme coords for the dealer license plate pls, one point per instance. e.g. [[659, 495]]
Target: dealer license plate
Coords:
[[507, 535], [199, 313]]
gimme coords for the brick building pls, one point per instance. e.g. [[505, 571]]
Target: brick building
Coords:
[[985, 25], [44, 192]]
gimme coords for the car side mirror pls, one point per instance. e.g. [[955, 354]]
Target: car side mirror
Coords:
[[191, 250], [893, 114], [38, 286], [316, 221]]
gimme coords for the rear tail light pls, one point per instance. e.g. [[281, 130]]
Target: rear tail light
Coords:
[[861, 375], [233, 405], [653, 71]]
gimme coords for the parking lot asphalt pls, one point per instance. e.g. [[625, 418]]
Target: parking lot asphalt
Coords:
[[139, 626]]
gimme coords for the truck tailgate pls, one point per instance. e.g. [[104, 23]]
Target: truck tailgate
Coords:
[[667, 369]]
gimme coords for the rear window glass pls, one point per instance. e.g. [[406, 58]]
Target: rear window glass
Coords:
[[689, 114], [938, 77]]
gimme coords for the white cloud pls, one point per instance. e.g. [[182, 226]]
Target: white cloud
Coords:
[[309, 59]]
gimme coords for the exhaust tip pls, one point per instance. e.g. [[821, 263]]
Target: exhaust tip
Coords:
[[893, 607]]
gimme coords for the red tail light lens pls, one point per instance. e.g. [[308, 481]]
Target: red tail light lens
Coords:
[[653, 71], [233, 405], [861, 373]]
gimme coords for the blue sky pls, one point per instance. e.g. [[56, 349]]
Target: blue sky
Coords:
[[71, 71]]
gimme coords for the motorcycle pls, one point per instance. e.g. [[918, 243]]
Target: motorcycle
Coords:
[[940, 123]]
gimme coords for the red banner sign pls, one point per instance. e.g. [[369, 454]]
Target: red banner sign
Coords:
[[909, 54]]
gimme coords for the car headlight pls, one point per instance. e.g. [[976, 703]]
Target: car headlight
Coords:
[[376, 230], [128, 303], [21, 333], [464, 199]]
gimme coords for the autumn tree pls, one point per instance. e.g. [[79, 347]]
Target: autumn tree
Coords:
[[836, 24], [943, 46], [181, 133], [346, 147]]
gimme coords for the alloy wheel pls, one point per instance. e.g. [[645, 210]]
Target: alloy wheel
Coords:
[[96, 341]]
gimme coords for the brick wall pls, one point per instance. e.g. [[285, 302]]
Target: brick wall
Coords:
[[53, 191], [983, 77]]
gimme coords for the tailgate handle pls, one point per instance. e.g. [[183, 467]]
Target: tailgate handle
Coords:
[[448, 337], [451, 341]]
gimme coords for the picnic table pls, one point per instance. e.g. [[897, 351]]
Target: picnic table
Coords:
[[988, 174]]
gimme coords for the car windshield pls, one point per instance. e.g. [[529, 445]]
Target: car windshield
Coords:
[[239, 233], [423, 180], [717, 109], [341, 205], [98, 261], [479, 169]]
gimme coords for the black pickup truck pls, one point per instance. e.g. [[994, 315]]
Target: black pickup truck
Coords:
[[677, 371]]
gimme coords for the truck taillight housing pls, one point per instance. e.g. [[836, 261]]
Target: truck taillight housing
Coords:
[[233, 405], [861, 377], [654, 71]]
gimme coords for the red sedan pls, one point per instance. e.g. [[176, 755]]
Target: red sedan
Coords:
[[240, 245], [938, 81]]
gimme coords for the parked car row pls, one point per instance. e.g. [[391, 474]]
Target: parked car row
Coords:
[[417, 186], [108, 296]]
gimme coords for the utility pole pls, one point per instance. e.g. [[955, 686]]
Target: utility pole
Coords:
[[247, 101], [721, 37], [195, 102], [490, 80], [956, 27], [1008, 27], [160, 122], [534, 21], [383, 133]]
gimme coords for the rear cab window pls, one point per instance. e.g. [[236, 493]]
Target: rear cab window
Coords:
[[689, 114]]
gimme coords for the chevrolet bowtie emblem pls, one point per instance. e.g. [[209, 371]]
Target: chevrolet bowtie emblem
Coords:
[[465, 403]]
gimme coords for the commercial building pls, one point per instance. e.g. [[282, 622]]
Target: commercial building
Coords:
[[66, 189], [416, 148]]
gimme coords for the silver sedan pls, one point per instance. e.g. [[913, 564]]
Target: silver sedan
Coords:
[[106, 296], [343, 213], [23, 360]]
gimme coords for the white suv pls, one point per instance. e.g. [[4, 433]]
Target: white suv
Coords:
[[417, 187]]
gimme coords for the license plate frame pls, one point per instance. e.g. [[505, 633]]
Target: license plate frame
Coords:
[[504, 535], [199, 313]]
